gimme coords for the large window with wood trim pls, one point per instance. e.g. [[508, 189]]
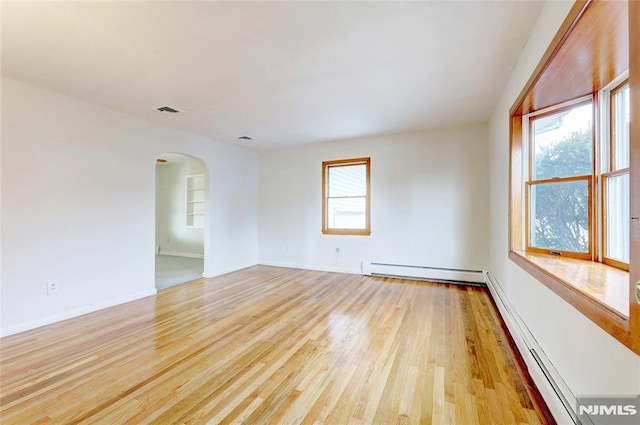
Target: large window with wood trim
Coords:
[[574, 190], [560, 177], [564, 217], [346, 197], [615, 177]]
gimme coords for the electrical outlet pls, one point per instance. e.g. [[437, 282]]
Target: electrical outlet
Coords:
[[52, 286], [337, 249]]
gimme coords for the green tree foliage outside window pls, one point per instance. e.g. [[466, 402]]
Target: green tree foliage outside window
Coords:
[[560, 210]]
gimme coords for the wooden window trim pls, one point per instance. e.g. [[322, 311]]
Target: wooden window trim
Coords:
[[325, 197], [607, 318], [589, 178], [625, 329], [613, 171]]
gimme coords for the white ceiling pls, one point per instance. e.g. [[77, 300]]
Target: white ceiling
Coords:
[[284, 73]]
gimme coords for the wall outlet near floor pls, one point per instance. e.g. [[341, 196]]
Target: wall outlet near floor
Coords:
[[52, 286]]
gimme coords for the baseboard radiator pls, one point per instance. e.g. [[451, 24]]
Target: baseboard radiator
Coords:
[[558, 392], [438, 274]]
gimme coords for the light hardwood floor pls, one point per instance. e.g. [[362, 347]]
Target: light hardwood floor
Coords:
[[269, 345]]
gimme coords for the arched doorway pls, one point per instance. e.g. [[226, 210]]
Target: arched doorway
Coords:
[[181, 218]]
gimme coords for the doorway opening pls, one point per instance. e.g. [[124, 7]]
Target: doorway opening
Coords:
[[181, 219]]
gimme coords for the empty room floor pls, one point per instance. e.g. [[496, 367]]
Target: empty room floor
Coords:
[[273, 345], [172, 270]]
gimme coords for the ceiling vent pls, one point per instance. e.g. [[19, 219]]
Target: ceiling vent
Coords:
[[168, 109]]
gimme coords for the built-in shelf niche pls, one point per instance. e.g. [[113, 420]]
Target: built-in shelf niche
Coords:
[[195, 200]]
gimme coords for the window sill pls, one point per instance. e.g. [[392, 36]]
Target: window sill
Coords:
[[598, 291], [346, 232]]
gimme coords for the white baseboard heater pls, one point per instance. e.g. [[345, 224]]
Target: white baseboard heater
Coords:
[[555, 391], [439, 274]]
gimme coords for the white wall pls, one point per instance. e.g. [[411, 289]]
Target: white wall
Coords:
[[78, 204], [589, 360], [172, 233], [428, 193]]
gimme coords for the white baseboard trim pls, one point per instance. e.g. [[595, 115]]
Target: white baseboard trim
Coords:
[[214, 273], [22, 327], [555, 392], [310, 267], [181, 254]]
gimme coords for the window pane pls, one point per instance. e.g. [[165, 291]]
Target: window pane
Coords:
[[618, 218], [350, 180], [620, 124], [559, 216], [347, 213], [562, 144]]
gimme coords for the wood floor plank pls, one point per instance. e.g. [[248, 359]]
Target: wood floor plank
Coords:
[[269, 345]]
